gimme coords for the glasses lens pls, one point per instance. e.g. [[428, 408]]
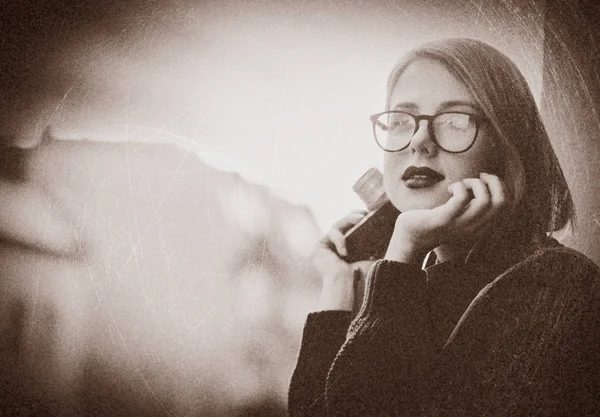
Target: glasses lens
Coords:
[[454, 131], [394, 130]]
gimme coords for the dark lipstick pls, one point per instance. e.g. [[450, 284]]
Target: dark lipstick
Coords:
[[421, 177]]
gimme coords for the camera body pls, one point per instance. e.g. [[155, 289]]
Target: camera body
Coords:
[[369, 239]]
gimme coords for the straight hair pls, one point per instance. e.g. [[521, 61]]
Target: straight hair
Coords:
[[526, 162]]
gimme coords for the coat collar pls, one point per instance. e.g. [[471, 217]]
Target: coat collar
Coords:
[[492, 252]]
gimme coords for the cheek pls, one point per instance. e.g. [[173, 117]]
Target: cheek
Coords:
[[488, 156], [483, 157], [392, 170], [495, 162], [475, 167]]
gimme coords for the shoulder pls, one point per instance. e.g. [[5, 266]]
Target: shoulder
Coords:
[[552, 267], [530, 330], [550, 288]]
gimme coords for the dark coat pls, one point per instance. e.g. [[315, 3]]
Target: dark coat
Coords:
[[510, 331]]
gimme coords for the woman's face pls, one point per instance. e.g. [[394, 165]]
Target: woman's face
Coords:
[[426, 87]]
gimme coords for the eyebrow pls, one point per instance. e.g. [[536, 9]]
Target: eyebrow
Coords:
[[443, 106]]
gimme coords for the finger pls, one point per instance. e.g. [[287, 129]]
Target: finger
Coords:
[[481, 202], [497, 199], [347, 222], [497, 189], [456, 204], [499, 196], [339, 241], [476, 217], [334, 238]]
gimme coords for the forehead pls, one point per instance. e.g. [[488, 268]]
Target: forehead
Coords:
[[426, 84]]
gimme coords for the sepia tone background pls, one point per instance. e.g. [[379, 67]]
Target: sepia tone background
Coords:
[[167, 166]]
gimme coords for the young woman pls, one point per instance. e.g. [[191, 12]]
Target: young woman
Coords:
[[475, 309]]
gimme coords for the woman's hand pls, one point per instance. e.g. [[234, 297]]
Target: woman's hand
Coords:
[[461, 219], [337, 275]]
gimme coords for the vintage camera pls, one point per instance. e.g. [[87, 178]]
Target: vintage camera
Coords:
[[369, 239]]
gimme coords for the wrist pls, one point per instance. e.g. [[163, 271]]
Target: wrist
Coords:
[[403, 251]]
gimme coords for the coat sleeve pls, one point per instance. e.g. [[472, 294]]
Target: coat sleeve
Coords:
[[388, 350], [529, 344], [324, 334]]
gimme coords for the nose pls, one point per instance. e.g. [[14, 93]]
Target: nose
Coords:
[[422, 141]]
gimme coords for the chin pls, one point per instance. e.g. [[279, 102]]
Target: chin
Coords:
[[412, 202]]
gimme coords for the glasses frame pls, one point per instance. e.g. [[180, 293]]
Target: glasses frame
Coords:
[[479, 120]]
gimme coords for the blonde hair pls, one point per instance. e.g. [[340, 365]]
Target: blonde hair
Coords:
[[541, 198]]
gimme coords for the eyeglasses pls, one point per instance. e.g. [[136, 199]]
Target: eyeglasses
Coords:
[[454, 132]]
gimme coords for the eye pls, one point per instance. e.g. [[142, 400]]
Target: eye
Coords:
[[401, 122], [457, 121]]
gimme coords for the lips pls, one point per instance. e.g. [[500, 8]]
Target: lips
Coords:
[[420, 177]]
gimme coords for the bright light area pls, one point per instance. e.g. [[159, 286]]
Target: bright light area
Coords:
[[279, 93]]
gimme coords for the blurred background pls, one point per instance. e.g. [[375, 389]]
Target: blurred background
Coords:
[[166, 167]]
